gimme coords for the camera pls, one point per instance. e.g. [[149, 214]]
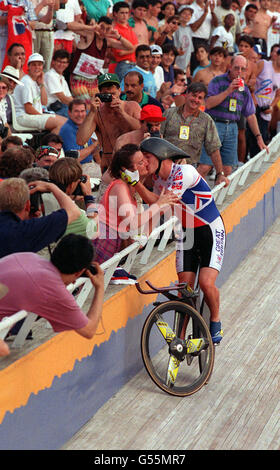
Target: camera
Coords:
[[104, 97], [36, 201], [152, 133], [72, 153], [3, 130], [78, 191], [92, 269], [155, 134]]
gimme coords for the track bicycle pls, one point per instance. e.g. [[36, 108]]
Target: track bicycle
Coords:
[[176, 344]]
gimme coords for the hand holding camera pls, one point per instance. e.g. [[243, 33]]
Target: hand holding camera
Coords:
[[96, 275], [95, 103], [104, 97]]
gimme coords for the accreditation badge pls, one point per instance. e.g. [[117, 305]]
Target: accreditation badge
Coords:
[[232, 105], [184, 132]]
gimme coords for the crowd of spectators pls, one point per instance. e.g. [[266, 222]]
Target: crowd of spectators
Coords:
[[90, 79]]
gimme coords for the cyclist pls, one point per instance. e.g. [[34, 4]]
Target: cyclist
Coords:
[[202, 240]]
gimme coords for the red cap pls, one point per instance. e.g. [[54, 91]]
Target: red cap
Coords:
[[152, 113]]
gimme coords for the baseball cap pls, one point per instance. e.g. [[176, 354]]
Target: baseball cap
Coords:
[[155, 49], [35, 58], [152, 113], [108, 78]]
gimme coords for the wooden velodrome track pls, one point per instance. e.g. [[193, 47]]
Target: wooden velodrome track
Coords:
[[239, 409]]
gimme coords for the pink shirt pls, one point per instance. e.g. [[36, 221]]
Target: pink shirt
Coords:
[[35, 285]]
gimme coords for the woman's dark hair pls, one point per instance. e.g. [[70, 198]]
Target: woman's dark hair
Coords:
[[72, 254], [163, 6], [122, 159]]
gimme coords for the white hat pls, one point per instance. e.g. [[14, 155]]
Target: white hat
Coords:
[[35, 58], [185, 7], [155, 49], [11, 73]]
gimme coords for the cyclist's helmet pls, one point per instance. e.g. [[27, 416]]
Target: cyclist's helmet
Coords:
[[162, 149]]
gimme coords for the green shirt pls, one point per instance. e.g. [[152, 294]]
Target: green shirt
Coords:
[[202, 131]]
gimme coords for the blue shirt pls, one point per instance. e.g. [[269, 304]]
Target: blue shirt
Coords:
[[68, 132], [169, 76], [30, 235]]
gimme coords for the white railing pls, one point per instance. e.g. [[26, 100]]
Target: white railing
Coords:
[[239, 177], [131, 255]]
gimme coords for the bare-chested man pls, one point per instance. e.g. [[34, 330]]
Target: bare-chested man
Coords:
[[217, 57], [261, 24], [109, 119]]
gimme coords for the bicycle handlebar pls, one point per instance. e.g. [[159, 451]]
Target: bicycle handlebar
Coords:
[[157, 290]]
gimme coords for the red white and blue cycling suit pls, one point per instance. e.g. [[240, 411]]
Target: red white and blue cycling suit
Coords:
[[202, 239]]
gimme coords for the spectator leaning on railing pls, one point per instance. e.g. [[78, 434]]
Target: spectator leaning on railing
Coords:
[[19, 229], [39, 286]]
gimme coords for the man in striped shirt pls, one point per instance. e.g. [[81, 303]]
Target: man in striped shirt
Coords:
[[227, 100]]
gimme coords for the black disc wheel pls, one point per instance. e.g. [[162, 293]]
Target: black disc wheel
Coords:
[[174, 339]]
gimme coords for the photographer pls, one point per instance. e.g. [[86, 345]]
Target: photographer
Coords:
[[38, 285], [67, 174], [109, 117], [22, 232]]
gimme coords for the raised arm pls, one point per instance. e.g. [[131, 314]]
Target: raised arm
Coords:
[[88, 127]]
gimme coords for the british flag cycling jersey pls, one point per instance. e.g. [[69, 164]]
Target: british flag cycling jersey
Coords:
[[198, 206], [197, 210]]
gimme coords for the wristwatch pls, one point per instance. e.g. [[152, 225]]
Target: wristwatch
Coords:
[[218, 174]]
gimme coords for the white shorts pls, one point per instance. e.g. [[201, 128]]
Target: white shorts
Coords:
[[34, 121]]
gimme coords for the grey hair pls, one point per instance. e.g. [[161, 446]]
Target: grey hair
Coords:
[[34, 174]]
